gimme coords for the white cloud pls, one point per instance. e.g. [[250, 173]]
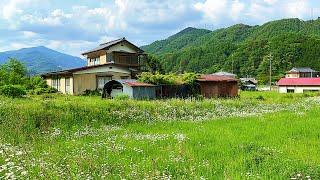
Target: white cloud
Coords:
[[297, 8], [12, 8], [29, 34], [212, 9], [73, 27], [259, 12], [271, 2], [237, 8]]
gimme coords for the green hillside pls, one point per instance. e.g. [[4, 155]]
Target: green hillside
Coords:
[[246, 50], [175, 42]]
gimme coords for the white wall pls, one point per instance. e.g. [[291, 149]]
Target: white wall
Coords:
[[298, 89], [104, 69], [122, 47], [128, 90]]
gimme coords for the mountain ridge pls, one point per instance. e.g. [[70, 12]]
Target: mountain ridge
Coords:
[[244, 49], [41, 59]]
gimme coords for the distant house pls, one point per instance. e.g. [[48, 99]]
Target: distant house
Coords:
[[114, 60], [298, 85], [302, 72], [218, 86], [248, 84], [222, 73]]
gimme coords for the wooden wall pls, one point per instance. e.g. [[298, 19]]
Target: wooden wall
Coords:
[[219, 89]]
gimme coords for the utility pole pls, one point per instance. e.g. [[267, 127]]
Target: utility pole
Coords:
[[232, 64], [270, 70]]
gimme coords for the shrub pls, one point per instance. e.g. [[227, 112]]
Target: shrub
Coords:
[[14, 91], [261, 98], [35, 83], [121, 96], [39, 91], [91, 93], [169, 79]]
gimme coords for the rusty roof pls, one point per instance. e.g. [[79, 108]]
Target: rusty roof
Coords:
[[137, 84], [216, 78]]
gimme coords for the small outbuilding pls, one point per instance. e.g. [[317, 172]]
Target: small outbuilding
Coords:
[[218, 86], [248, 84], [130, 87]]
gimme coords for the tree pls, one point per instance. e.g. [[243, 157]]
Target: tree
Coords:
[[13, 72], [153, 64]]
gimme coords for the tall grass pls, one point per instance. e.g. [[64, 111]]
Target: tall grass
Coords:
[[259, 135]]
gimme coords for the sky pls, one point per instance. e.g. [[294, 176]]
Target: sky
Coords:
[[74, 26]]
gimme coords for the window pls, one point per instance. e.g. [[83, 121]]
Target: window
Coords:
[[110, 57], [290, 90], [56, 84], [96, 61], [102, 80], [68, 85]]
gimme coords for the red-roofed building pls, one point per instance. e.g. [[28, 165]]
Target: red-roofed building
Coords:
[[298, 85]]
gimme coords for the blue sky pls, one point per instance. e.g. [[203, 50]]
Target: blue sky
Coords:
[[73, 26]]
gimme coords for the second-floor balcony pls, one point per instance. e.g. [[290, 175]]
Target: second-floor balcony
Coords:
[[136, 60]]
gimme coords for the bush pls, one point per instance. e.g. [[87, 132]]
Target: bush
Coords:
[[39, 91], [169, 79], [14, 91], [91, 93], [35, 82], [261, 98], [121, 96]]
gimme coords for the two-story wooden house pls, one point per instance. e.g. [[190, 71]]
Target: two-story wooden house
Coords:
[[114, 60]]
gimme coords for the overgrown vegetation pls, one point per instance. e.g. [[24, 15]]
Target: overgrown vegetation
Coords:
[[242, 49], [14, 81], [169, 79], [56, 136]]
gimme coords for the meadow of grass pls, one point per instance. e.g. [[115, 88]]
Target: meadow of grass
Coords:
[[258, 135]]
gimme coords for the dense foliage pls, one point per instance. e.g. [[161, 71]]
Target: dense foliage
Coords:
[[175, 42], [246, 50], [13, 91], [169, 79], [14, 81]]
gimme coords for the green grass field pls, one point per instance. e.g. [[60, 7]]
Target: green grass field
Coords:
[[259, 135]]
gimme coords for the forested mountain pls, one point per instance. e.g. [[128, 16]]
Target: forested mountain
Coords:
[[41, 59], [175, 42], [245, 50]]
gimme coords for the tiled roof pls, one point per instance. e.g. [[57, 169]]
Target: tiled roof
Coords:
[[111, 43], [70, 71], [253, 80], [222, 73], [299, 82], [213, 78], [302, 70]]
